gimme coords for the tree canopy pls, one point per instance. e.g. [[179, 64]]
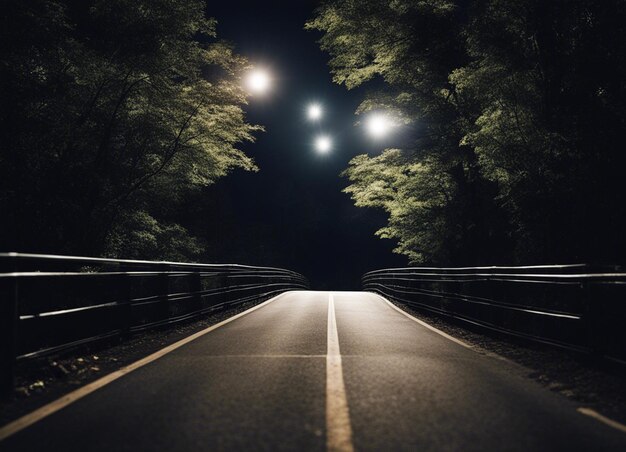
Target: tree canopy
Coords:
[[111, 113], [520, 107]]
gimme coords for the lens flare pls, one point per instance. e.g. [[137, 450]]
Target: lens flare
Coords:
[[323, 144]]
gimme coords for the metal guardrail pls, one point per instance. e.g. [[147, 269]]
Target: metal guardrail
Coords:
[[51, 303], [577, 306]]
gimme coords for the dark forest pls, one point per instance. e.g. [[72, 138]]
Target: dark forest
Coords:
[[117, 115]]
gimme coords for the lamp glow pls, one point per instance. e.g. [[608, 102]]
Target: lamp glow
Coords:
[[323, 144], [378, 125], [314, 112], [258, 81]]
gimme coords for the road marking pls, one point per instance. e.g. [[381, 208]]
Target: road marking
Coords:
[[426, 325], [605, 420], [481, 351], [586, 411], [68, 399], [262, 356], [338, 430]]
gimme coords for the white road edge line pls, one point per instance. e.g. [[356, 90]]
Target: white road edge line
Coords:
[[51, 408], [586, 411], [605, 420], [338, 430], [426, 325]]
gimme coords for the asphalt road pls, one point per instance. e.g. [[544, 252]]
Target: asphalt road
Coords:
[[276, 379]]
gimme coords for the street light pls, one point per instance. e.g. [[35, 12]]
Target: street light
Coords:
[[258, 81], [379, 125], [314, 111], [323, 144]]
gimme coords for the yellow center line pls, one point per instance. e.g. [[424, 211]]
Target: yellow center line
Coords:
[[338, 430]]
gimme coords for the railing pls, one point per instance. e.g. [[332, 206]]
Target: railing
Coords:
[[573, 306], [52, 303]]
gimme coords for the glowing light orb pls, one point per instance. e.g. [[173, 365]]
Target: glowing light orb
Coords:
[[258, 81], [314, 112], [379, 125], [323, 144]]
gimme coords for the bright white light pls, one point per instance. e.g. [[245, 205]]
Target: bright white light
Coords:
[[314, 112], [258, 81], [378, 125], [323, 144]]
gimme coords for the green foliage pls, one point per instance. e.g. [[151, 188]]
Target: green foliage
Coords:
[[412, 193], [520, 107], [551, 122], [435, 210], [139, 236], [112, 111]]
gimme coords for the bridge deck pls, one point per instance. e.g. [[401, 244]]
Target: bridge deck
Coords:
[[263, 381]]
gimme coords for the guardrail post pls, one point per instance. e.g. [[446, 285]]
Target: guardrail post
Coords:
[[594, 318], [164, 290], [222, 283], [8, 334], [126, 313], [196, 287]]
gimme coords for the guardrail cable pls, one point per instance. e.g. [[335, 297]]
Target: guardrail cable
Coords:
[[575, 306]]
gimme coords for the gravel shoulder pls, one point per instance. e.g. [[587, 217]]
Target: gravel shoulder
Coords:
[[591, 383]]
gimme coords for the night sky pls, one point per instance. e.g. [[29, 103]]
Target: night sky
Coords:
[[292, 213]]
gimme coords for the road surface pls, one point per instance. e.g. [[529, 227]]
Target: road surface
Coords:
[[320, 371]]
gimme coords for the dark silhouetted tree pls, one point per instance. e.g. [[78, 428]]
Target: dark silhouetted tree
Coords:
[[111, 113], [520, 107]]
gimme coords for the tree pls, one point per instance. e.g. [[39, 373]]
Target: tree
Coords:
[[413, 47], [112, 111], [521, 105], [546, 76]]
